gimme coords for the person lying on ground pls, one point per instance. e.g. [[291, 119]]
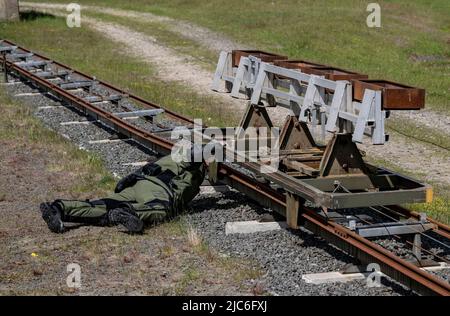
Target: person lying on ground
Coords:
[[157, 192]]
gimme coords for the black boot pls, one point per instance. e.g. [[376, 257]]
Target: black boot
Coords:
[[127, 218], [52, 216]]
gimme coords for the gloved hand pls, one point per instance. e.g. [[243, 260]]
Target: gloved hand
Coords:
[[151, 169], [195, 151], [126, 182]]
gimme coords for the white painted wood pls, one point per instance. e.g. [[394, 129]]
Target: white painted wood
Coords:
[[135, 164], [73, 90], [306, 97], [107, 141], [308, 101], [249, 227], [29, 94], [336, 104], [50, 107], [367, 104], [130, 118], [259, 84], [210, 189], [77, 123], [100, 102], [332, 277], [220, 69], [152, 112], [289, 73], [252, 71], [353, 118], [379, 136], [238, 79], [441, 266]]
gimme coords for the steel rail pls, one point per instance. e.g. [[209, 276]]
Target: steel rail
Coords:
[[345, 239], [442, 229], [106, 84]]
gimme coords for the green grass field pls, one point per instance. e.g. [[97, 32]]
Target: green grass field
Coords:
[[18, 125], [412, 45]]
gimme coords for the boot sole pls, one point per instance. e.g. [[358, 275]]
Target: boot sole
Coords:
[[53, 221], [132, 223]]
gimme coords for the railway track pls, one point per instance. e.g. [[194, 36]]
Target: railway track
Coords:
[[150, 125]]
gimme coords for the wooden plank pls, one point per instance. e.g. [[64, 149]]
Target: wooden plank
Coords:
[[336, 276], [237, 54], [305, 158], [314, 150], [300, 167], [292, 206], [239, 78], [396, 96], [215, 86]]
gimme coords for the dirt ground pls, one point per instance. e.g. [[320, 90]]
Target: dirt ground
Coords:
[[207, 38], [166, 260]]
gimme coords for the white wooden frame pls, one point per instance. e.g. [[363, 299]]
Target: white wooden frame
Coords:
[[312, 98]]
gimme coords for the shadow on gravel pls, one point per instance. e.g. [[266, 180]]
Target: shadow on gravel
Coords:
[[32, 15], [226, 201]]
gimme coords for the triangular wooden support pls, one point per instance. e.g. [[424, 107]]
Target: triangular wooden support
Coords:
[[255, 116], [342, 157], [296, 135]]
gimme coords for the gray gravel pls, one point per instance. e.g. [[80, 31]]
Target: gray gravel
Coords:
[[115, 155], [284, 255], [402, 249]]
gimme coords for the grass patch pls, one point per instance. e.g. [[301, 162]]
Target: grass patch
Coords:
[[176, 227], [439, 208], [190, 277], [238, 270], [17, 124]]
